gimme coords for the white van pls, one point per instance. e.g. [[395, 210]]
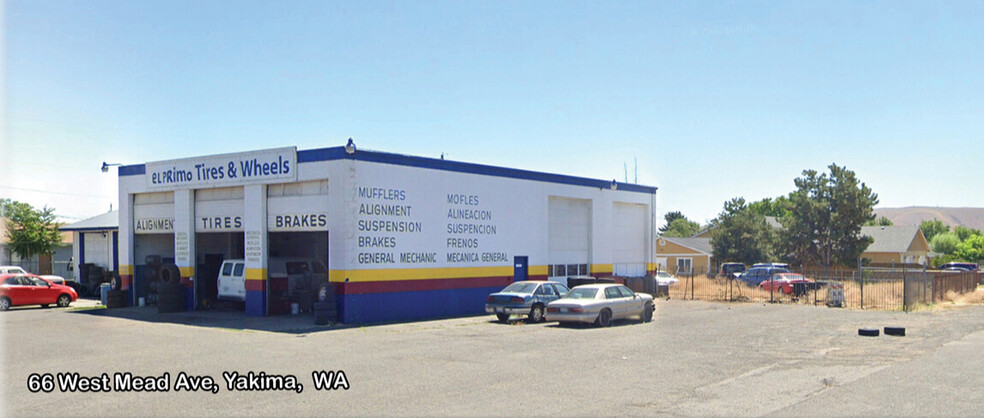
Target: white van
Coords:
[[301, 274], [232, 280]]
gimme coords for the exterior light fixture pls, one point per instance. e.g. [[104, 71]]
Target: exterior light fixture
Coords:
[[614, 185], [350, 147], [106, 166]]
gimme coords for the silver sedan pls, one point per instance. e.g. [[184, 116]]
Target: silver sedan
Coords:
[[600, 304]]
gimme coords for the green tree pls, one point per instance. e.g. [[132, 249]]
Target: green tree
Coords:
[[971, 249], [778, 208], [30, 232], [945, 243], [933, 228], [669, 218], [826, 215], [881, 221], [682, 228], [964, 232], [741, 235]]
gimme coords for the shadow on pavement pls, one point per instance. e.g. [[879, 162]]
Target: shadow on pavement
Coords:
[[223, 319]]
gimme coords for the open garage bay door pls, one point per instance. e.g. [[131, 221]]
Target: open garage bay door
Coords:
[[297, 218], [629, 255], [219, 236], [153, 241], [569, 236]]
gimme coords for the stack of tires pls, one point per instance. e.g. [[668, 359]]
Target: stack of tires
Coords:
[[116, 298], [170, 292], [151, 273], [91, 276], [326, 308]]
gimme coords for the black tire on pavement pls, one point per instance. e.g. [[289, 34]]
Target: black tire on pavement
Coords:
[[647, 312], [150, 273], [116, 283], [868, 332], [170, 273], [64, 301], [604, 318], [896, 331], [502, 317], [536, 314], [4, 304]]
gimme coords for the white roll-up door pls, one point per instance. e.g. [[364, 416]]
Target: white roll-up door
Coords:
[[97, 249], [569, 231], [629, 254], [219, 209], [153, 213], [299, 206]]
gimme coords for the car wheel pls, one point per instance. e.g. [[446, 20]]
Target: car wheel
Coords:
[[4, 304], [604, 318], [647, 313], [64, 301], [325, 292], [502, 317], [536, 314]]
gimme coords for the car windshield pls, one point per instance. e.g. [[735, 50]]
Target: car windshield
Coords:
[[582, 293], [792, 276], [663, 274], [520, 287]]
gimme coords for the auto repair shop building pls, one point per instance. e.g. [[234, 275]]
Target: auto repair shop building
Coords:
[[402, 237]]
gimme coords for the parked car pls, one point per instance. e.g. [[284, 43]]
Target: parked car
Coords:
[[787, 283], [62, 281], [666, 279], [528, 298], [756, 275], [959, 266], [600, 304], [732, 270], [30, 289], [12, 270], [775, 265]]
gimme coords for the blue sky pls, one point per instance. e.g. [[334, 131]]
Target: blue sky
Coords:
[[714, 100]]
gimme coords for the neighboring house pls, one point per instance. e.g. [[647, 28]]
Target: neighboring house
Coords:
[[896, 246], [770, 220], [96, 241], [684, 255], [56, 263]]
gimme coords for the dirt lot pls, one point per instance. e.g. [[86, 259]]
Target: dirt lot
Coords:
[[696, 358]]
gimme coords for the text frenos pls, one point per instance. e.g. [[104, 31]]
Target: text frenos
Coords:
[[251, 167]]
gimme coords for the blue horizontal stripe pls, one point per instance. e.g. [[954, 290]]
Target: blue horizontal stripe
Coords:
[[411, 306], [338, 153], [132, 170]]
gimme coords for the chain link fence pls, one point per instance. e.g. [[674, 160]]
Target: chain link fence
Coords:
[[871, 288]]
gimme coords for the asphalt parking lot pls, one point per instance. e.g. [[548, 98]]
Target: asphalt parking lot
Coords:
[[695, 358]]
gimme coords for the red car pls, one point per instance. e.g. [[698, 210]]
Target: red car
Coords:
[[784, 282], [29, 289]]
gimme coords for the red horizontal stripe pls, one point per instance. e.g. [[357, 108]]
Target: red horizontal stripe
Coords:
[[354, 288], [256, 285], [539, 277]]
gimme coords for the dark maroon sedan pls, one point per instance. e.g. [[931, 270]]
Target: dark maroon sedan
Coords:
[[29, 289]]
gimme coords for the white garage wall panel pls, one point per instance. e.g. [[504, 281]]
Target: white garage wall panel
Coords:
[[219, 209], [153, 213], [569, 231], [629, 254], [299, 206], [97, 249]]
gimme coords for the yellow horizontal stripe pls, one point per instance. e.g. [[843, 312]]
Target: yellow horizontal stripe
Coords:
[[126, 270], [187, 271], [601, 268], [256, 274], [538, 270], [383, 275]]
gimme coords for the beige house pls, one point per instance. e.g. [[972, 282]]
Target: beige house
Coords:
[[684, 255], [896, 246]]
